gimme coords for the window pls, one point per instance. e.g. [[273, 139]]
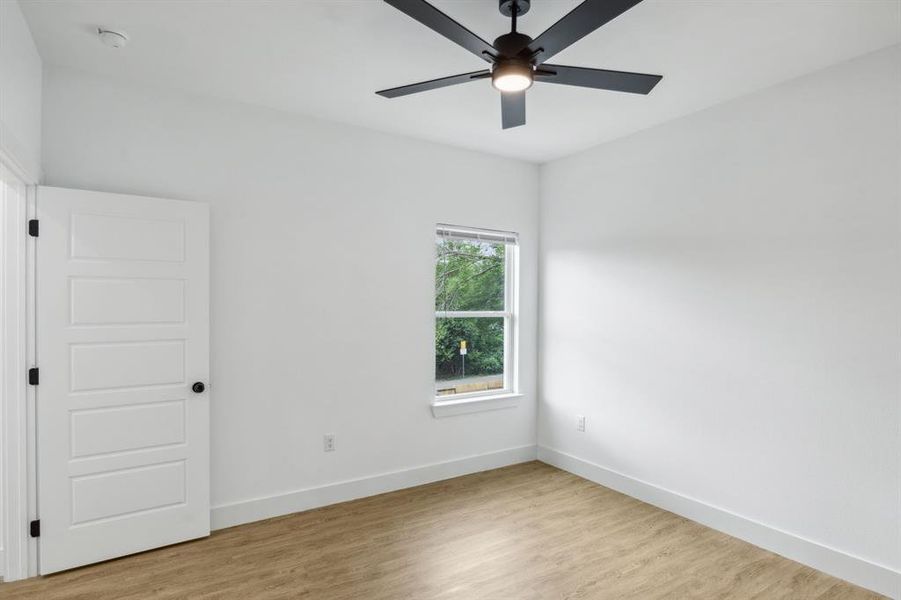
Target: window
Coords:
[[475, 318]]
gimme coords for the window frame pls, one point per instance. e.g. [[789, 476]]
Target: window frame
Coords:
[[455, 403]]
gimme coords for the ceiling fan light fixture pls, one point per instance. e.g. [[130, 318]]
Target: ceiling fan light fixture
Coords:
[[516, 59], [512, 77]]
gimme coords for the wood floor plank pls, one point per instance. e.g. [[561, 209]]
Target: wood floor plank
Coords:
[[526, 532]]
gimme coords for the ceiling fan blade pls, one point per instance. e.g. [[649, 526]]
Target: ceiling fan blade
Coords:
[[581, 21], [513, 109], [601, 79], [439, 22], [433, 84]]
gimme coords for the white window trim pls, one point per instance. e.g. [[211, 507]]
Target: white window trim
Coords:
[[509, 396], [480, 403]]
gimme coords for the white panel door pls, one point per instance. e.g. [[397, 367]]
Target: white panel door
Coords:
[[122, 339]]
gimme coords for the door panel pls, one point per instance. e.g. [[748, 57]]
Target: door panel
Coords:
[[126, 238], [131, 364], [123, 301], [127, 491], [126, 428], [122, 334]]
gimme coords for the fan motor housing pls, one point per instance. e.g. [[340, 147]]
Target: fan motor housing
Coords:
[[510, 45], [506, 7]]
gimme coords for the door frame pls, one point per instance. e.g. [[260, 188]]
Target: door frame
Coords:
[[17, 399]]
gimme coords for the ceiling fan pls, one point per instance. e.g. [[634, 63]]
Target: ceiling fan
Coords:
[[517, 60]]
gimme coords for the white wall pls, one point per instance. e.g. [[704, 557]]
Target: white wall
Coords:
[[20, 90], [720, 296], [322, 273]]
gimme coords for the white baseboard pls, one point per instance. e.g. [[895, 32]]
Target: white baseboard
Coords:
[[878, 578], [247, 511]]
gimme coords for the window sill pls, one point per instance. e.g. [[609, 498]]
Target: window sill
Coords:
[[450, 408]]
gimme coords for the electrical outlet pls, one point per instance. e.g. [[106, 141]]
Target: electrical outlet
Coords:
[[580, 423], [328, 442]]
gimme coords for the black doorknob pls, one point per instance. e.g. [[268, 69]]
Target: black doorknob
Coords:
[[198, 387]]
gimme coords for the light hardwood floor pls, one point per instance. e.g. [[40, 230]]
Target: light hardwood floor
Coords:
[[524, 532]]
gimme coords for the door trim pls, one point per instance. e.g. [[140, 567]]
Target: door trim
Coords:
[[17, 499]]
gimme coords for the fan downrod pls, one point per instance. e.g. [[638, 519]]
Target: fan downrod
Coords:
[[506, 7]]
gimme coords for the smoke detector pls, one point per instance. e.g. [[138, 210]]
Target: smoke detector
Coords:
[[113, 39]]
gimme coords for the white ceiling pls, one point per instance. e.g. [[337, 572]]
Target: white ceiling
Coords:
[[326, 58]]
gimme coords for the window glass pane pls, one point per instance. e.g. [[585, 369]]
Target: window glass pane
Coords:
[[469, 275], [481, 367]]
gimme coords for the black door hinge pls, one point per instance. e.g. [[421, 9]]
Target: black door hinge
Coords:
[[33, 228], [35, 528], [33, 376]]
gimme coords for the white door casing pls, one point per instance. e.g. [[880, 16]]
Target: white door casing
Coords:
[[13, 368], [122, 293]]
